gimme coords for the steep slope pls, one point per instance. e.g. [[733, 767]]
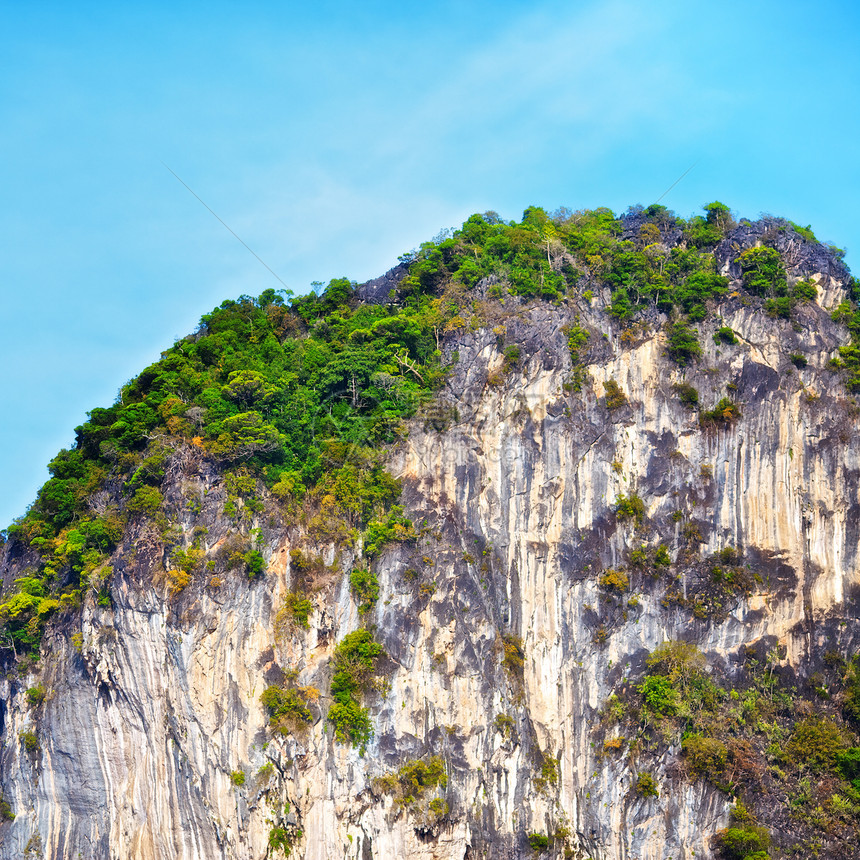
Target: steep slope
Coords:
[[262, 657]]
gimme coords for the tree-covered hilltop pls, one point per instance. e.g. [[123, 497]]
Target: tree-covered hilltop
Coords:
[[238, 498], [304, 393]]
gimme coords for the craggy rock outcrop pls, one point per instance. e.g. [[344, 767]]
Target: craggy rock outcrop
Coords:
[[512, 482], [379, 289]]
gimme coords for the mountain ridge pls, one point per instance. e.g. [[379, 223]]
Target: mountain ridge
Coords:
[[573, 512]]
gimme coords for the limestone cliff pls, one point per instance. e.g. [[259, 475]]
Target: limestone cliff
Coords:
[[503, 637]]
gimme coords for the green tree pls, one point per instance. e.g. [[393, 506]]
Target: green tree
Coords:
[[683, 343], [762, 272]]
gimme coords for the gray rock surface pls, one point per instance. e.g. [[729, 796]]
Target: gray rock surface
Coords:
[[378, 291]]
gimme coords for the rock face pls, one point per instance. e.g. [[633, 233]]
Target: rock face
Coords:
[[512, 482]]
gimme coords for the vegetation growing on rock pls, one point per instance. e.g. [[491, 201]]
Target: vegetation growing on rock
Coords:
[[289, 706], [290, 409], [411, 782], [355, 659], [6, 813], [762, 741]]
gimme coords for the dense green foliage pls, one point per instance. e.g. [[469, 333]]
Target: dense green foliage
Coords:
[[725, 335], [300, 396], [26, 612], [683, 343], [288, 708], [365, 586], [743, 843], [762, 272], [538, 842], [816, 743], [675, 685], [355, 659], [646, 785], [743, 839], [804, 232], [711, 228]]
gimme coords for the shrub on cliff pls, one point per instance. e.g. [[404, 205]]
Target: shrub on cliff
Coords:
[[613, 579], [255, 563], [725, 335], [742, 843], [413, 780], [297, 608], [630, 508], [35, 695], [538, 842], [30, 740], [762, 272], [682, 343], [706, 756], [355, 659], [724, 413], [577, 338], [815, 743], [646, 785], [615, 397], [6, 810], [513, 657], [393, 528], [288, 708], [687, 394], [365, 587]]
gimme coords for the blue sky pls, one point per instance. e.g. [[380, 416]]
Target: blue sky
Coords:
[[334, 137]]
